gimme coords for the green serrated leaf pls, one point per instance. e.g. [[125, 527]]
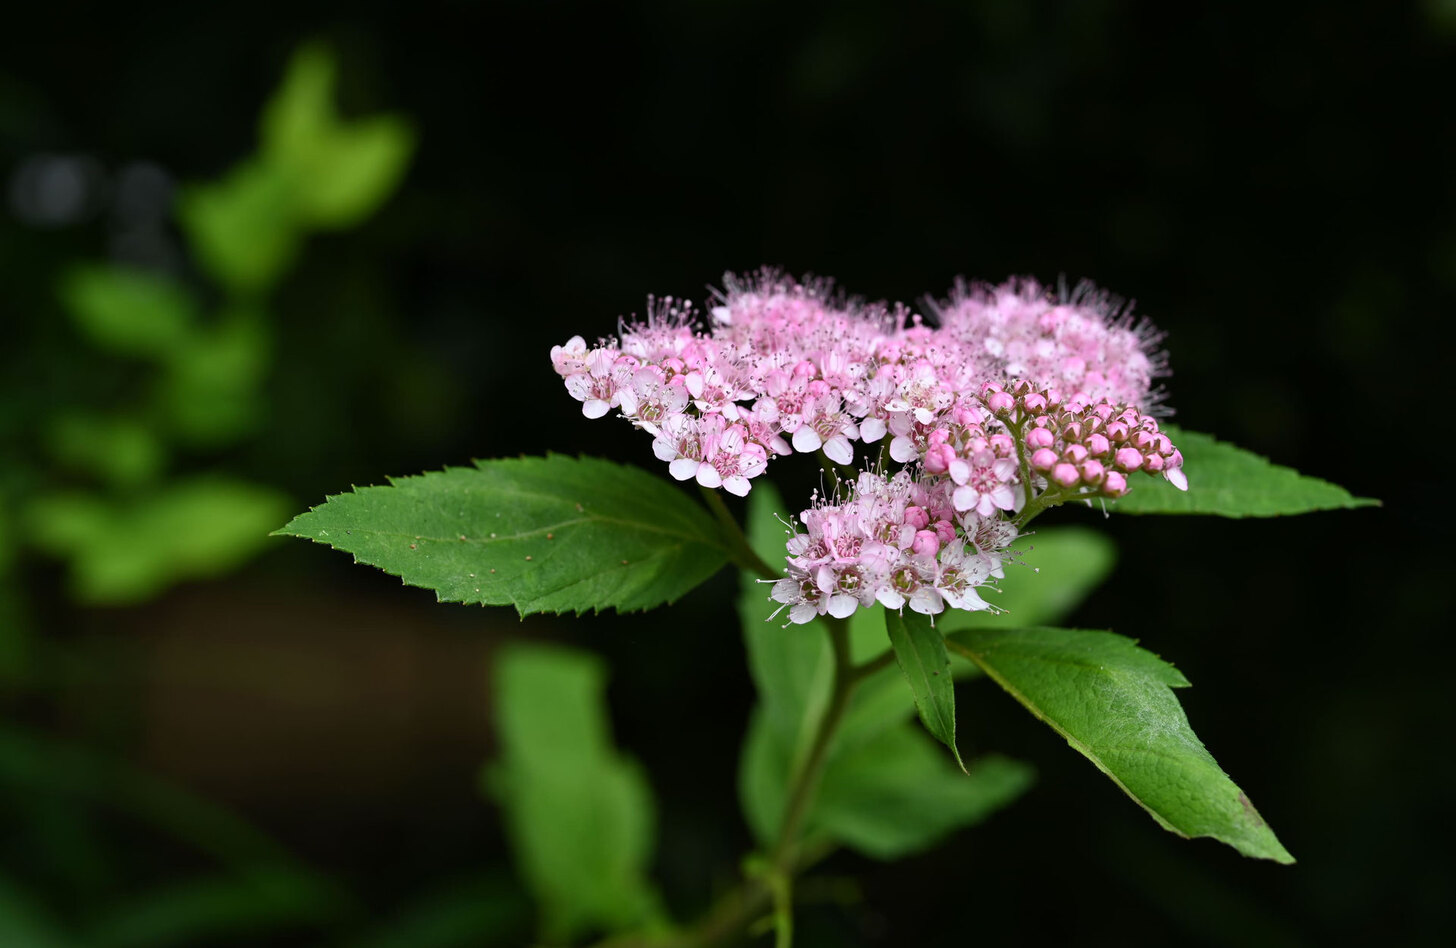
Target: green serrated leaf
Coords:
[[578, 812], [1226, 481], [552, 534], [922, 656], [1113, 702], [130, 312]]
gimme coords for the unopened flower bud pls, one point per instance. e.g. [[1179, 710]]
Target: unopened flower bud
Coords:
[[1043, 459], [1065, 474], [1129, 459]]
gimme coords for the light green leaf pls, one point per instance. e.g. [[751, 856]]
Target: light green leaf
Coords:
[[243, 228], [122, 451], [129, 312], [896, 794], [340, 171], [920, 651], [552, 534], [886, 797], [1054, 571], [211, 395], [24, 921], [1226, 481], [1114, 704], [126, 551], [579, 813]]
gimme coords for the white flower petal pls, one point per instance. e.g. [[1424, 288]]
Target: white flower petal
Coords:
[[807, 440], [902, 449], [708, 476], [594, 408], [683, 468], [872, 429], [737, 484], [838, 450]]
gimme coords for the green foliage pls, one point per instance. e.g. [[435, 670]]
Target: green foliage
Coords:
[[242, 228], [1114, 703], [920, 651], [129, 312], [123, 451], [579, 813], [210, 395], [125, 551], [552, 534], [339, 171], [313, 171], [1226, 481], [886, 791], [1055, 570], [23, 921]]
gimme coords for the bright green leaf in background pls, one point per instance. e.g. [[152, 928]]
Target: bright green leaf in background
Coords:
[[908, 802], [920, 652], [1230, 482], [552, 534], [129, 312], [210, 395], [243, 228], [121, 450], [341, 171], [1052, 572], [578, 812], [1114, 703], [125, 551]]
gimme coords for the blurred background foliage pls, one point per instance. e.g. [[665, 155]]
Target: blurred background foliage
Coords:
[[214, 319]]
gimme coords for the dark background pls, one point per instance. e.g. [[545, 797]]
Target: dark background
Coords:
[[1271, 182]]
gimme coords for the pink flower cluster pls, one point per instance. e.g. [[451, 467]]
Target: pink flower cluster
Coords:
[[788, 366], [897, 541]]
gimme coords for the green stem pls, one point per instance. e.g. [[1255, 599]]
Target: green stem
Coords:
[[738, 549]]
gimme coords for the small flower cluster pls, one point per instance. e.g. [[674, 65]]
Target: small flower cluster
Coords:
[[787, 366], [898, 541]]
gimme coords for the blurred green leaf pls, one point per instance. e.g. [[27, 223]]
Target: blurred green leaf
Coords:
[[552, 534], [466, 914], [1113, 702], [1226, 481], [212, 394], [341, 171], [1055, 571], [25, 923], [244, 227], [121, 451], [578, 812], [190, 912], [129, 312], [920, 652], [126, 551]]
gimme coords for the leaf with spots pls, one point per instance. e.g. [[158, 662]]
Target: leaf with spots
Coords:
[[552, 534], [1113, 702], [1226, 481]]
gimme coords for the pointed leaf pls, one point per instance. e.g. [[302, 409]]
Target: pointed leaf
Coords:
[[920, 651], [131, 312], [1226, 481], [552, 534], [1113, 702], [579, 813]]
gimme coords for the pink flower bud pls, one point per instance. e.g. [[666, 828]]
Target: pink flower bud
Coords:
[[1093, 472], [1075, 453], [1040, 438], [1097, 444], [1002, 445], [1142, 440], [945, 530], [1000, 402], [1044, 459], [938, 458], [1034, 403], [1115, 485], [1154, 463], [1065, 475], [926, 543], [1129, 459], [917, 517], [1117, 431]]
